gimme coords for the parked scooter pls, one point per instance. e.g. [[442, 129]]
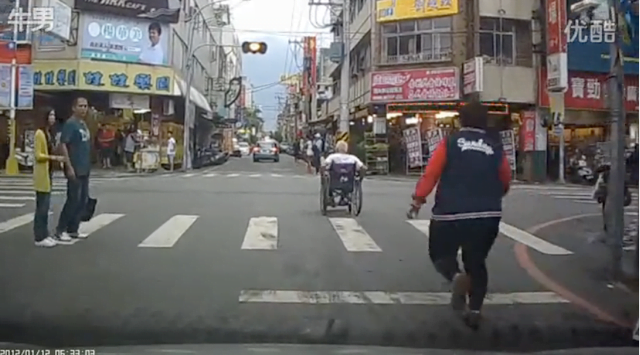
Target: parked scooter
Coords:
[[600, 190], [580, 173]]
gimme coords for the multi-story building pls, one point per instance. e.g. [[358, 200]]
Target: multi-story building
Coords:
[[129, 63], [406, 63]]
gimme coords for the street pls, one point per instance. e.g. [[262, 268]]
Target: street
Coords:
[[240, 253]]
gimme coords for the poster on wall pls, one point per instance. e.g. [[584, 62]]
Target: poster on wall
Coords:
[[414, 146], [434, 137], [508, 145], [528, 131]]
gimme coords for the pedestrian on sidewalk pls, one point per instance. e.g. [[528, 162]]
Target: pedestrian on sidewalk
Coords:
[[42, 178], [76, 148], [308, 148], [171, 150], [472, 174]]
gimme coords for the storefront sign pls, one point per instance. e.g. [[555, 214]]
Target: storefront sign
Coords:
[[397, 10], [61, 18], [472, 75], [24, 87], [588, 91], [415, 85], [434, 137], [413, 143], [528, 131], [160, 10], [556, 79], [508, 146], [103, 76], [122, 39]]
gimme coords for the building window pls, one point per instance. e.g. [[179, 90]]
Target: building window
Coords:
[[425, 40], [498, 40]]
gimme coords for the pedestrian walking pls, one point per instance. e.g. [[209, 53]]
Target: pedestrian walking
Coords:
[[472, 174], [75, 146], [308, 148], [42, 178]]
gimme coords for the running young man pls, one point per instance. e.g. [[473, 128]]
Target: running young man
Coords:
[[472, 174]]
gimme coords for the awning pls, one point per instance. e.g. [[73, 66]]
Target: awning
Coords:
[[180, 86]]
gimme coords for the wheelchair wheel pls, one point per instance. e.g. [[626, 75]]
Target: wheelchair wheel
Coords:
[[323, 198], [356, 200]]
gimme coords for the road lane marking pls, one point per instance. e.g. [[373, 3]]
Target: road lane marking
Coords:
[[18, 192], [255, 175], [233, 175], [389, 298], [16, 222], [353, 236], [530, 240], [29, 184], [11, 205], [97, 222], [168, 234], [276, 175], [187, 175], [210, 175], [422, 225], [17, 198], [261, 234]]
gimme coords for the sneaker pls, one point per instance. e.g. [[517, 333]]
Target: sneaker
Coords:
[[63, 238], [73, 236], [82, 236], [47, 242], [459, 290], [472, 319]]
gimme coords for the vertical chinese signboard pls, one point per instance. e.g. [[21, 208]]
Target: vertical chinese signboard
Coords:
[[528, 131], [557, 72], [508, 145], [413, 143]]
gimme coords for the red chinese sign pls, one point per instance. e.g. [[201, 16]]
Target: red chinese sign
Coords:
[[588, 91], [440, 84], [528, 131], [556, 23]]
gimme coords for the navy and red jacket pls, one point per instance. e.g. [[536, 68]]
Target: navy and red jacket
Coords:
[[472, 173]]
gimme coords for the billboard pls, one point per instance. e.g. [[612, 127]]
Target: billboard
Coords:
[[160, 10], [124, 39], [396, 10], [441, 84]]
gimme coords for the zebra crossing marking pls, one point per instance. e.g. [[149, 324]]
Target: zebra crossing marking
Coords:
[[15, 222], [261, 234], [11, 205], [276, 175], [511, 232], [18, 192], [210, 175], [17, 198], [167, 235], [97, 222], [188, 175], [255, 175], [389, 298], [353, 236]]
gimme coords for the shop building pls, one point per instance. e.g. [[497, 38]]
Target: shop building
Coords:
[[586, 109], [130, 64], [407, 65]]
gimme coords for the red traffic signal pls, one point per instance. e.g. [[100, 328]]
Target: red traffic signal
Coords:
[[254, 47]]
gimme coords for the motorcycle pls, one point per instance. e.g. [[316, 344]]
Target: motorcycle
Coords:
[[580, 173], [600, 190]]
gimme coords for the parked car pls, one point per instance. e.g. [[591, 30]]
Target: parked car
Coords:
[[237, 152], [266, 150], [245, 149]]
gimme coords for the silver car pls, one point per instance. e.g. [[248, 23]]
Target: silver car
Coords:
[[266, 150]]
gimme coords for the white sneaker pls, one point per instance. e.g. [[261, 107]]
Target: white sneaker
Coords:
[[47, 242], [64, 239]]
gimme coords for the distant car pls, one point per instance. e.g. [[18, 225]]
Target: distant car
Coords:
[[245, 149], [237, 152], [266, 150]]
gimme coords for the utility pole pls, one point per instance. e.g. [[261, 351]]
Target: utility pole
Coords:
[[615, 188], [345, 75]]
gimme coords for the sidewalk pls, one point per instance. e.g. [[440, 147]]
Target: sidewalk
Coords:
[[584, 277]]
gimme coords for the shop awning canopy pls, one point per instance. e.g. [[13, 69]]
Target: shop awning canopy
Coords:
[[195, 96]]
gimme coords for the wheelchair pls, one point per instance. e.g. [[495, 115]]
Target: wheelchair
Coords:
[[341, 182]]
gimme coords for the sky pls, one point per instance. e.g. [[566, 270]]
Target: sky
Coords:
[[275, 22]]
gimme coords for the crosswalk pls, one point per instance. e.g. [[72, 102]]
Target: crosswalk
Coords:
[[263, 233], [237, 175], [576, 194], [18, 193]]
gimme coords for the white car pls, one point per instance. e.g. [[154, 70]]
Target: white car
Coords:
[[245, 149]]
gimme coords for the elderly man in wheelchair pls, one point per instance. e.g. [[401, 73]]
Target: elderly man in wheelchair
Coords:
[[341, 183]]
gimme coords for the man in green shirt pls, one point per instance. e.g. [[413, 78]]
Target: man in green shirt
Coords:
[[75, 145]]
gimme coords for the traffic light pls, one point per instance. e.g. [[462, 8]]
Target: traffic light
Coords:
[[254, 47]]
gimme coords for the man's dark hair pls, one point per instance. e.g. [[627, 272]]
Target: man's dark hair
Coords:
[[155, 26], [473, 115], [75, 101]]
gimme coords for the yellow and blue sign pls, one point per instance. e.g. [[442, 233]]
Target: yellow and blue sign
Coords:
[[102, 76], [397, 10]]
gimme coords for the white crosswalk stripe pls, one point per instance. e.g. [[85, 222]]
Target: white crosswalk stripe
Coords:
[[237, 175], [577, 194], [262, 233], [18, 193]]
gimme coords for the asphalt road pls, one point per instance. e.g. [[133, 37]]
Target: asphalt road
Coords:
[[241, 253]]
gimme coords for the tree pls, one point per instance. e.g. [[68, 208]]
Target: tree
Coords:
[[253, 118]]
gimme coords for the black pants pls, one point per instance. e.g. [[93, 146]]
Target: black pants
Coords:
[[77, 196], [475, 237]]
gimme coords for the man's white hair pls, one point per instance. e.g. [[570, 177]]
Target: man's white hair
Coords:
[[342, 147]]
